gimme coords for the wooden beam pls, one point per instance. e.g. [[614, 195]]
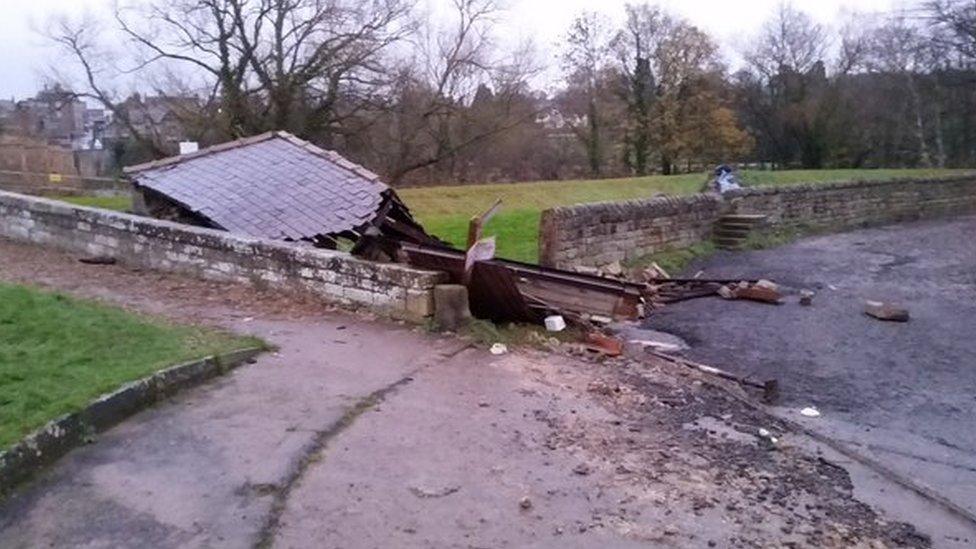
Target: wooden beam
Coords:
[[478, 222]]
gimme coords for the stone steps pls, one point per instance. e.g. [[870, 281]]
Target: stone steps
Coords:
[[731, 231]]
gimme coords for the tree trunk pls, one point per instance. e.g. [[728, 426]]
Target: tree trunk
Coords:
[[594, 145], [923, 148]]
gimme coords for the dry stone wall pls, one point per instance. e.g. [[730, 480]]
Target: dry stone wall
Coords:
[[599, 234], [149, 243]]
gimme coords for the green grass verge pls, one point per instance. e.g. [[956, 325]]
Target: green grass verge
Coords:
[[57, 353], [445, 210], [118, 203]]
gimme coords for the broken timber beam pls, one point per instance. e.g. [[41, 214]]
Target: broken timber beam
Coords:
[[770, 387], [477, 223]]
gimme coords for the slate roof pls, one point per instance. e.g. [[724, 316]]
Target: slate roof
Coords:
[[272, 185]]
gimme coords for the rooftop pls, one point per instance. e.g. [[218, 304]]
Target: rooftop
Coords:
[[272, 185]]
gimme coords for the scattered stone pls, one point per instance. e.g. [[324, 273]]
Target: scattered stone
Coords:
[[498, 349], [725, 292], [582, 469], [762, 294], [810, 411], [606, 345], [768, 284], [525, 503], [806, 298], [886, 311], [582, 269], [614, 269], [655, 272]]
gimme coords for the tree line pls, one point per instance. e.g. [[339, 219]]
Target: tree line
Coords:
[[443, 99]]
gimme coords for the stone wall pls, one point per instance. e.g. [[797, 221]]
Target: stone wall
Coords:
[[338, 277], [599, 234]]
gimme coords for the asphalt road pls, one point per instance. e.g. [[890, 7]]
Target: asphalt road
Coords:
[[901, 394]]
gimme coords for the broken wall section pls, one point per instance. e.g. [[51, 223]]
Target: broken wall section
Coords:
[[337, 277], [599, 234]]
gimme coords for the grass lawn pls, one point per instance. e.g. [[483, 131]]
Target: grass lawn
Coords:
[[445, 211], [118, 203], [57, 353]]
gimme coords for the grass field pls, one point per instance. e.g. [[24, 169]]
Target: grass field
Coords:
[[445, 210], [119, 203], [57, 353]]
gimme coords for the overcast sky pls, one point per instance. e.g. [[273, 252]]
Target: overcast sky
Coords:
[[24, 54]]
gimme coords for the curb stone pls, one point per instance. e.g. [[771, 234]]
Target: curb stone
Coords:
[[49, 443]]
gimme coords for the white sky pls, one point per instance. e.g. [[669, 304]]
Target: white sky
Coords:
[[24, 54]]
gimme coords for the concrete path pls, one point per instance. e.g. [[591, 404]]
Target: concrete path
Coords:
[[901, 394]]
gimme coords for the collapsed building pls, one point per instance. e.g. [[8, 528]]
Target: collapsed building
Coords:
[[277, 186]]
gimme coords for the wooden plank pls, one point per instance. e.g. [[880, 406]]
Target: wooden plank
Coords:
[[477, 223], [493, 294]]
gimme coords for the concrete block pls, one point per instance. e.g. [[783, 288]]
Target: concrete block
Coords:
[[451, 309]]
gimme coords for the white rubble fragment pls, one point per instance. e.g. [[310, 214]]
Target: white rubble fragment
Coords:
[[810, 411], [555, 323]]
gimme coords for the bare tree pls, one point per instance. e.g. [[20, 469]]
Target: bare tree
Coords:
[[299, 65], [789, 41], [955, 21], [459, 91], [899, 48]]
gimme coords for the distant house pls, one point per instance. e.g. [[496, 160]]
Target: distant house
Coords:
[[160, 118], [556, 124], [273, 186], [54, 115]]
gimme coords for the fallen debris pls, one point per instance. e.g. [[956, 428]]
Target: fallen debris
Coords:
[[614, 269], [604, 344], [886, 311], [770, 387], [498, 349], [525, 503], [98, 260], [277, 186], [656, 272], [806, 297], [510, 291], [426, 493], [810, 411], [555, 323], [762, 291]]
